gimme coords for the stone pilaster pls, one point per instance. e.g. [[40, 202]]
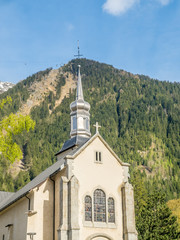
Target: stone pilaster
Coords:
[[63, 229], [69, 168], [73, 206], [129, 228]]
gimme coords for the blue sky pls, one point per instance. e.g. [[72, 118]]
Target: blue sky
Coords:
[[139, 36]]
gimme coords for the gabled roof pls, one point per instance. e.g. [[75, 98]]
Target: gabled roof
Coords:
[[73, 154]]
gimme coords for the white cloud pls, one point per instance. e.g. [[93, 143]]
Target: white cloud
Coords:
[[69, 26], [117, 7], [164, 2]]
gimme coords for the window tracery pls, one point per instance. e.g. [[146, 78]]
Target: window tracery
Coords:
[[99, 206]]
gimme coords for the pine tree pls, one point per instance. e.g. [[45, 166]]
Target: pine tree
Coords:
[[157, 221], [154, 220]]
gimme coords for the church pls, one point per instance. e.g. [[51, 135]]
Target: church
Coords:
[[84, 195]]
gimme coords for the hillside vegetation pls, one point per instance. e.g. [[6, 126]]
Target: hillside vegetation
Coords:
[[174, 205], [140, 119]]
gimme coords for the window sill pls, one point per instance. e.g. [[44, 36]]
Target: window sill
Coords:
[[99, 224]]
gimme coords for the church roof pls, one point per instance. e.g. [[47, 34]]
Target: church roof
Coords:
[[5, 195], [59, 165], [74, 147], [75, 141]]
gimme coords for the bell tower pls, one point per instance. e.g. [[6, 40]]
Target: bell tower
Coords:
[[80, 116]]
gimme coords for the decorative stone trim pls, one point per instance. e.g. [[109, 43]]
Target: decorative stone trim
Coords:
[[129, 228], [63, 229], [99, 225], [99, 235]]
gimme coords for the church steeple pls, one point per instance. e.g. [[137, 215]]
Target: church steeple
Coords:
[[80, 117], [79, 91]]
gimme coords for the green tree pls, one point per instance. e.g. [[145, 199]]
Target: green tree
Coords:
[[157, 221], [154, 220], [12, 125]]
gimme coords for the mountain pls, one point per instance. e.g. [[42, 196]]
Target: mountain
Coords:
[[4, 86], [139, 118]]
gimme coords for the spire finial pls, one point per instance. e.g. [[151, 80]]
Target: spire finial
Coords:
[[78, 55], [97, 126], [79, 93]]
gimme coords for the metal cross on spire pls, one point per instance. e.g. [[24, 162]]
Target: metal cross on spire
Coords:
[[97, 126], [78, 55]]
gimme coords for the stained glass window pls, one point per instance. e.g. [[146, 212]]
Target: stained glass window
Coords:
[[88, 208], [99, 206], [111, 210]]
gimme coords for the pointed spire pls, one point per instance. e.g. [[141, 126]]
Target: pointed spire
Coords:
[[80, 116], [79, 93]]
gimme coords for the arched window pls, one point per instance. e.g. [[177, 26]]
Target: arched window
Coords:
[[88, 208], [111, 210], [99, 206]]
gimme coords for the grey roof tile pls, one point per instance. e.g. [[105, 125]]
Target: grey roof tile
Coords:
[[75, 141], [5, 195], [37, 180]]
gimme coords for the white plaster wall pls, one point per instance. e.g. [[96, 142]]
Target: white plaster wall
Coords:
[[107, 176], [42, 222], [15, 215]]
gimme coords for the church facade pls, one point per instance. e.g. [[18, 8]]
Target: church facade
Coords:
[[85, 195]]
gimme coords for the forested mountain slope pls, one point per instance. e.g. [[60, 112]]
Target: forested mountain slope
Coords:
[[140, 119], [174, 205]]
